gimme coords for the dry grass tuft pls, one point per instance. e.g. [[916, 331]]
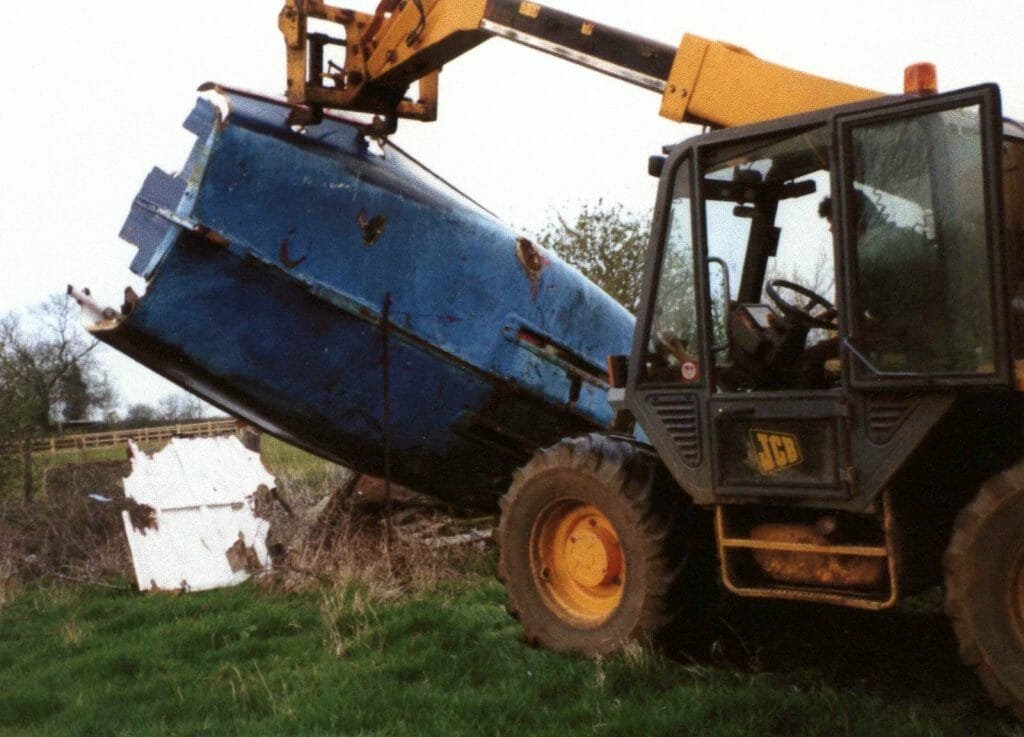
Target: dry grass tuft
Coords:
[[64, 536], [389, 549]]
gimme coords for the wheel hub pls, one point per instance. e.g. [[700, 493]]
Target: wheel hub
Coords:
[[593, 556], [578, 562]]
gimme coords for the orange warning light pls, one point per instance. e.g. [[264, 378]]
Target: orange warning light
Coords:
[[920, 79]]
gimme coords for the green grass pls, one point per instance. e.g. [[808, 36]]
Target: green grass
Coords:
[[360, 659], [258, 661], [297, 470]]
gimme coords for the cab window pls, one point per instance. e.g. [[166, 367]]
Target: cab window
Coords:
[[672, 346], [921, 267]]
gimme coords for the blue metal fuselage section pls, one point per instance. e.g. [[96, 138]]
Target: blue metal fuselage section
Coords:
[[347, 301]]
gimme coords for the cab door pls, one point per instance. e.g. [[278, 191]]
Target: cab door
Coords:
[[778, 415], [925, 282]]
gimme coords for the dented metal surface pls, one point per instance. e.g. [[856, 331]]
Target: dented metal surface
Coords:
[[190, 515], [270, 260]]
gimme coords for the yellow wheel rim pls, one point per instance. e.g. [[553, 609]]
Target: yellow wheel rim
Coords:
[[577, 562]]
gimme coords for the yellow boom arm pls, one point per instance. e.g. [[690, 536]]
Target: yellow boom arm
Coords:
[[409, 41]]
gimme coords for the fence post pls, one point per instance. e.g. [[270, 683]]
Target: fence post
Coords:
[[26, 463]]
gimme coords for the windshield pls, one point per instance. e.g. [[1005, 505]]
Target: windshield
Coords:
[[763, 208], [768, 213]]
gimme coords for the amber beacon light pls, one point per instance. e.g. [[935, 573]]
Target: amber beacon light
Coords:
[[920, 79]]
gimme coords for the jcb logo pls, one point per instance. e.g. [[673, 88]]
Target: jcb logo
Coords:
[[774, 451]]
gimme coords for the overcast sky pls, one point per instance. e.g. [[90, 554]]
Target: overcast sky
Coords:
[[96, 93]]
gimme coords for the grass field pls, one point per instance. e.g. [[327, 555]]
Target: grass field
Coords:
[[429, 650], [337, 661]]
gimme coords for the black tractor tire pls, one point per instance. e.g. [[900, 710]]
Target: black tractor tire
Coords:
[[658, 554], [984, 568]]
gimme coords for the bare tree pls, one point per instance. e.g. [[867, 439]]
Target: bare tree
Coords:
[[48, 372], [178, 407]]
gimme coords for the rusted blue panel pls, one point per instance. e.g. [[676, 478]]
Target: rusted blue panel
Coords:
[[347, 301]]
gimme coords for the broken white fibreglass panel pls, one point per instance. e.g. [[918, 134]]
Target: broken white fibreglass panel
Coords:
[[191, 521]]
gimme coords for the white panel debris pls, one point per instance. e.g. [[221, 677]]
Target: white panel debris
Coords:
[[190, 515]]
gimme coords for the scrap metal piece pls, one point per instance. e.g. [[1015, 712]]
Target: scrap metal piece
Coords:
[[199, 530]]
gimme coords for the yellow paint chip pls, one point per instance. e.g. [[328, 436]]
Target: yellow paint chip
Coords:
[[530, 10]]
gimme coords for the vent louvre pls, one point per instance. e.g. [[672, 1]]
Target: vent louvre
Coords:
[[885, 414], [681, 417]]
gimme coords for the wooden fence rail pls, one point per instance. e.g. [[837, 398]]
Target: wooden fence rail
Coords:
[[207, 428]]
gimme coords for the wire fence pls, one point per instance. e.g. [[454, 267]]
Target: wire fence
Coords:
[[84, 441]]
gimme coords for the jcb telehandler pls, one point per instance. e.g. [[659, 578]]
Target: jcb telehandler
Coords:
[[823, 401], [824, 387], [837, 416]]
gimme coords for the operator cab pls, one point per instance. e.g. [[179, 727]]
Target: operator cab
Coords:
[[902, 280], [811, 281]]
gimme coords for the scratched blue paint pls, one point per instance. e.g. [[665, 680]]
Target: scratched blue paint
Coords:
[[271, 260]]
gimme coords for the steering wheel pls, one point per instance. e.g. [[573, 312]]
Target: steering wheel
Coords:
[[826, 318]]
